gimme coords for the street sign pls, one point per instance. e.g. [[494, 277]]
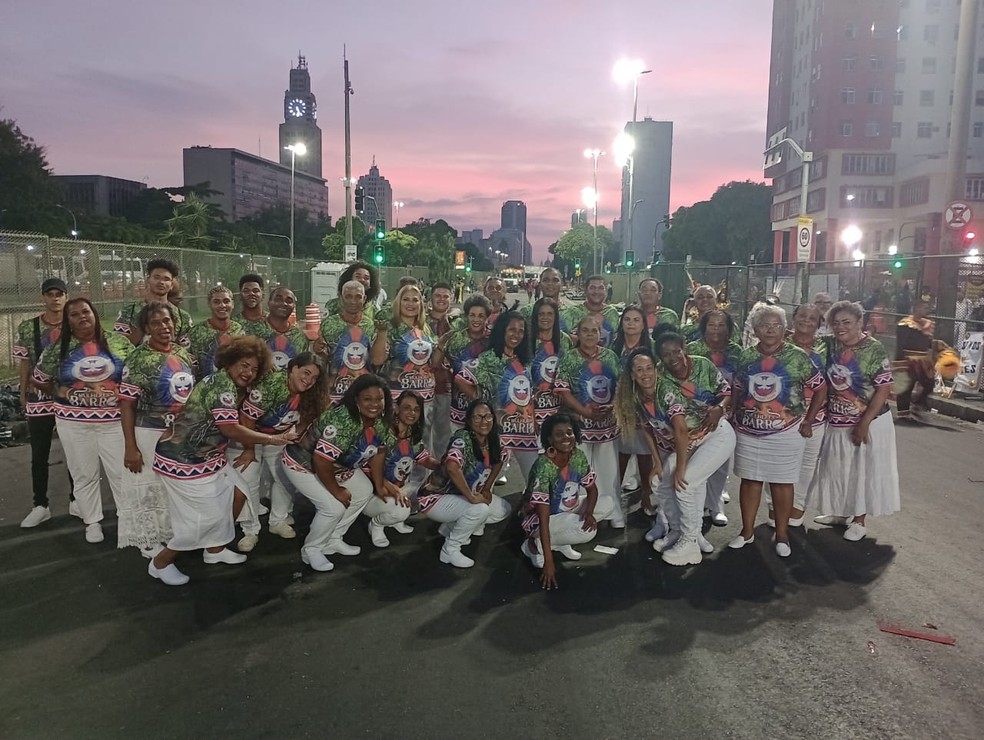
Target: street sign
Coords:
[[350, 253], [804, 239], [958, 215], [459, 259]]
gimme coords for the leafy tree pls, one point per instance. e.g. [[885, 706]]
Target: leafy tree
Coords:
[[28, 193], [577, 245], [333, 243], [190, 225], [732, 225]]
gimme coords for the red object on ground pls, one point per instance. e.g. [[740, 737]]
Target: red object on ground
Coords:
[[930, 636]]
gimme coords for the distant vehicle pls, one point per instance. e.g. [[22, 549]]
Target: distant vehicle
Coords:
[[512, 285]]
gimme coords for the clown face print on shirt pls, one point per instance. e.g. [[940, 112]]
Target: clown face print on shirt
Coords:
[[769, 390], [409, 363]]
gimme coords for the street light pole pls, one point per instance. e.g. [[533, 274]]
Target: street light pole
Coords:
[[398, 205], [295, 149], [290, 240], [626, 70], [593, 155], [75, 224]]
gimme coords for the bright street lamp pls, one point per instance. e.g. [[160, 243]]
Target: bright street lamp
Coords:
[[75, 224], [893, 249], [593, 155], [851, 235], [623, 147], [398, 205], [296, 150]]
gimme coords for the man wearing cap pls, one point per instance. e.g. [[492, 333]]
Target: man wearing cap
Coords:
[[33, 336]]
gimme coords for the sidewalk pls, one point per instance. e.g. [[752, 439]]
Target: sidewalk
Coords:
[[968, 408]]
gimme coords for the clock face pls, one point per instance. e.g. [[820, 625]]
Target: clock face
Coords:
[[297, 108]]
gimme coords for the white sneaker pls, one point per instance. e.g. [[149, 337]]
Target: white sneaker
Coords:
[[568, 552], [247, 543], [169, 574], [316, 560], [684, 552], [283, 529], [403, 528], [657, 531], [94, 533], [726, 497], [720, 519], [855, 532], [341, 547], [797, 522], [783, 550], [667, 541], [739, 542], [617, 521], [377, 534], [37, 515], [456, 558], [225, 555], [704, 545], [73, 509], [264, 510], [830, 519], [535, 557]]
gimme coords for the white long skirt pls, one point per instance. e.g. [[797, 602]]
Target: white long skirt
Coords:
[[854, 480], [771, 458], [201, 509], [144, 516]]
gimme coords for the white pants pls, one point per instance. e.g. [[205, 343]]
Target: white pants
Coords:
[[385, 512], [331, 519], [702, 463], [144, 519], [465, 517], [811, 454], [603, 460], [86, 445], [567, 528], [525, 460], [440, 426], [716, 485], [281, 503]]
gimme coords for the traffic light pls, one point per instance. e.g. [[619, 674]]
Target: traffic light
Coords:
[[629, 258], [360, 199], [898, 263], [968, 238], [657, 256], [378, 254], [608, 267], [468, 266], [380, 228], [577, 264]]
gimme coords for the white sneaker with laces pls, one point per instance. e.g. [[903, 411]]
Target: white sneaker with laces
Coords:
[[704, 545], [535, 557], [666, 542], [684, 552], [377, 534], [283, 529], [855, 532], [94, 533], [568, 552], [36, 516], [247, 543]]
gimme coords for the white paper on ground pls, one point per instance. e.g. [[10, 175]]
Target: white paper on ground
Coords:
[[605, 550]]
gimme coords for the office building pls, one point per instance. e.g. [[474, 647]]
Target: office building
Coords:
[[379, 197], [514, 219], [867, 88], [651, 164], [99, 195], [301, 121], [247, 184]]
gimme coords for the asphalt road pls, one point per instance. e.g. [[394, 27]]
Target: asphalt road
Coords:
[[393, 644]]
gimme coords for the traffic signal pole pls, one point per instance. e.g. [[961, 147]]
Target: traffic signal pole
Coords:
[[348, 152]]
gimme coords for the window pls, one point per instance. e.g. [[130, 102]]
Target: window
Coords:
[[871, 196], [927, 97], [897, 129], [979, 97], [931, 34], [924, 130], [897, 97], [851, 63], [818, 169], [875, 96], [872, 129], [900, 65], [975, 188], [847, 128], [867, 164], [847, 95], [980, 65], [978, 129], [816, 200], [851, 30], [877, 63], [929, 65]]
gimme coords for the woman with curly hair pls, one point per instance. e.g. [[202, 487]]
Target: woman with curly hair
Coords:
[[279, 402], [563, 502], [405, 452], [459, 493], [205, 494], [502, 378], [157, 380], [82, 371], [326, 465]]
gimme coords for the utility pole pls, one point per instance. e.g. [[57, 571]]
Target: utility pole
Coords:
[[348, 151]]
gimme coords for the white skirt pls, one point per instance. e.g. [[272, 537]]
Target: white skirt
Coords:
[[201, 509], [144, 516], [852, 480], [770, 458], [632, 442]]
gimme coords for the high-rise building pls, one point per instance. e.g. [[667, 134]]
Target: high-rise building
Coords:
[[246, 184], [514, 217], [378, 195], [98, 194], [301, 121], [867, 89], [580, 216], [651, 163]]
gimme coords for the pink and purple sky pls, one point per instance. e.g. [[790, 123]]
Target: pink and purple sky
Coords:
[[464, 104]]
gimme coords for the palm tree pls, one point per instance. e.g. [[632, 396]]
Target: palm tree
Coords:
[[190, 224]]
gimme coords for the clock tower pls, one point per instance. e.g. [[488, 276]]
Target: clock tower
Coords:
[[301, 121]]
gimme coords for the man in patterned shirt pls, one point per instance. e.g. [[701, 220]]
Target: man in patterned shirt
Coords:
[[161, 274], [33, 336], [285, 339]]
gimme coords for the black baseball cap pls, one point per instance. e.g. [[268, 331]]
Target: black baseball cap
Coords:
[[53, 284]]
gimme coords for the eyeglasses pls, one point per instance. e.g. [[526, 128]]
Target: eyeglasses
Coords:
[[771, 327], [483, 417]]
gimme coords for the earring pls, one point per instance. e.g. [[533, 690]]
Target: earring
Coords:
[[551, 450]]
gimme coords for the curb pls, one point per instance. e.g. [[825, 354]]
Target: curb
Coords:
[[958, 409]]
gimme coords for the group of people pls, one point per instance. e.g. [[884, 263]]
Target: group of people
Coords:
[[404, 409]]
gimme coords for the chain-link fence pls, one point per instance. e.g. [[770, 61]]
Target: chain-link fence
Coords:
[[112, 275]]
